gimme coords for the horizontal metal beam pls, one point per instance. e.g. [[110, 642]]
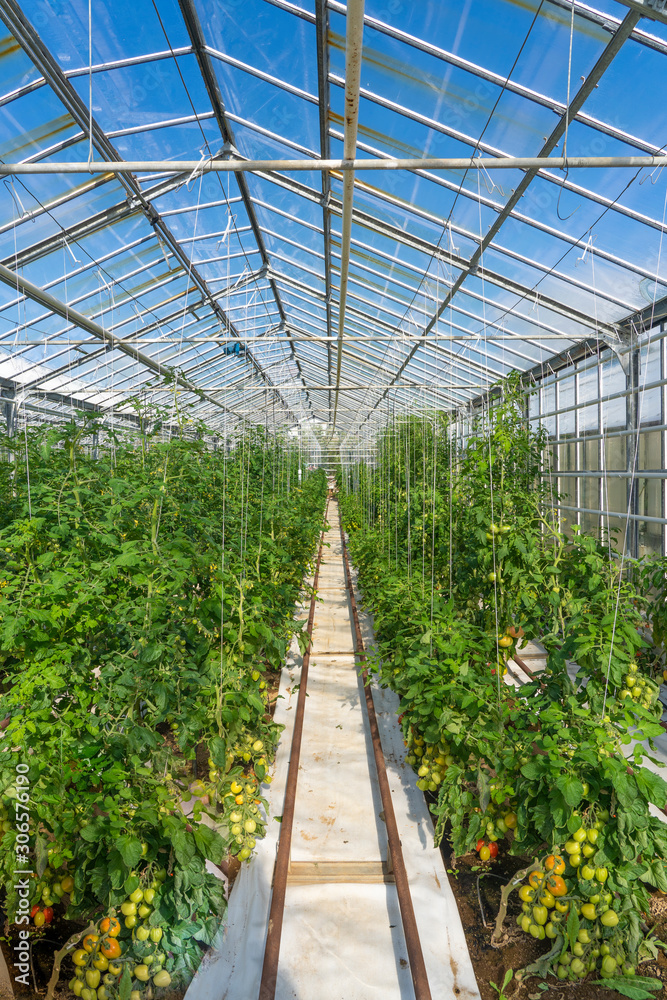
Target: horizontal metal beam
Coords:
[[197, 167], [271, 340], [297, 386]]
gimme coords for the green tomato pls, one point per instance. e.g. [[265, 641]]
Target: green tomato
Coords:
[[609, 919], [608, 967], [142, 933]]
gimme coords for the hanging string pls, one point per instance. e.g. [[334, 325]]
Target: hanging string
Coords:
[[490, 450], [567, 123], [27, 458]]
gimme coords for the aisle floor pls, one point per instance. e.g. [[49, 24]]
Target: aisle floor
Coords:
[[341, 940]]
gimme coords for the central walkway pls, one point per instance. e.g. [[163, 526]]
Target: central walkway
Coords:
[[342, 935]]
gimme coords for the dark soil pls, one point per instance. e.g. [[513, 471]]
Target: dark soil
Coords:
[[476, 887], [44, 943]]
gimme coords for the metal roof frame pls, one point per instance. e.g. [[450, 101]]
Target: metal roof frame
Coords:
[[304, 289]]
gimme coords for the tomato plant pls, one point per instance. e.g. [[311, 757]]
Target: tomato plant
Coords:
[[460, 554], [148, 591]]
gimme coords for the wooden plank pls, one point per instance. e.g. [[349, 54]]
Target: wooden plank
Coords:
[[312, 872]]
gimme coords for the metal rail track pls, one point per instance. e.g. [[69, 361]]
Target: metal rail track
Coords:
[[410, 931], [267, 987], [269, 977]]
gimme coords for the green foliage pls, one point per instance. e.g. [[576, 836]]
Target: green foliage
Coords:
[[146, 591], [459, 552]]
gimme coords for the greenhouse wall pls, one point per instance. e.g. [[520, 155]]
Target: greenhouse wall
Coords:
[[605, 419]]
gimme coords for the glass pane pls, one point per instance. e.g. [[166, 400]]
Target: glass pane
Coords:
[[589, 452], [567, 458], [614, 453], [567, 487], [588, 418], [590, 522], [650, 406], [589, 492], [649, 497], [650, 451], [614, 495]]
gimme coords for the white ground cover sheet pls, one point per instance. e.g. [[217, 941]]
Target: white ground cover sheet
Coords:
[[340, 941]]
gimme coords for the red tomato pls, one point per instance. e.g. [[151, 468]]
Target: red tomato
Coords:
[[493, 847], [480, 845], [34, 910], [48, 914]]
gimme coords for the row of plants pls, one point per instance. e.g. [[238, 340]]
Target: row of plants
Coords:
[[461, 556], [147, 594]]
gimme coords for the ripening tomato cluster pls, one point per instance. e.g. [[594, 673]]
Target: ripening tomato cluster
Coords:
[[638, 688], [430, 761], [486, 851], [49, 888], [105, 960], [497, 821], [41, 916], [578, 911], [233, 792]]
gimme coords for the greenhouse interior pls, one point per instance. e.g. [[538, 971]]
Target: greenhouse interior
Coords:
[[333, 578]]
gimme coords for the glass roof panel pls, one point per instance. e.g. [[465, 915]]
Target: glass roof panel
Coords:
[[614, 98], [579, 249], [138, 32]]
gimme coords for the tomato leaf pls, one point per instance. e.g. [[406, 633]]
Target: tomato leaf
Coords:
[[184, 846], [125, 984], [131, 883], [572, 926], [483, 787], [217, 749], [572, 789], [41, 855], [656, 875], [634, 987], [129, 849]]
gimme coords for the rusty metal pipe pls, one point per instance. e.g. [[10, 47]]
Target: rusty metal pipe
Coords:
[[410, 931], [354, 32], [267, 986]]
